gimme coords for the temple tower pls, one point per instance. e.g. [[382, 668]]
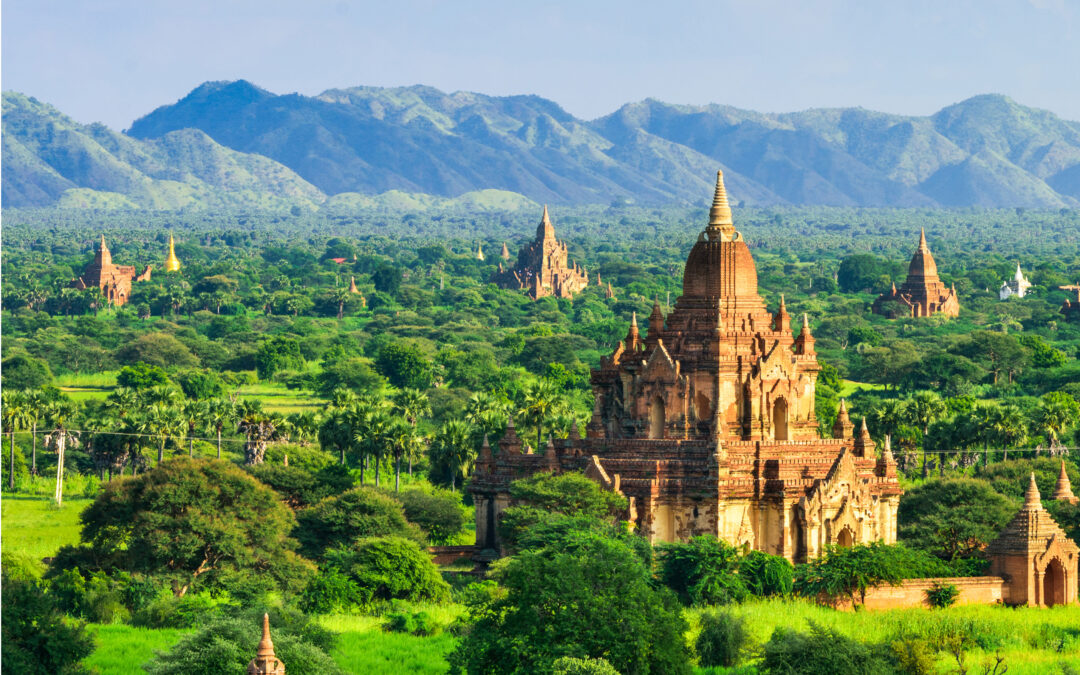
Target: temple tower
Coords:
[[922, 293], [265, 662], [172, 263]]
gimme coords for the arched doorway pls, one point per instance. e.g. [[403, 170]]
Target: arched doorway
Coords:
[[656, 419], [780, 425], [1054, 584], [845, 538], [702, 406]]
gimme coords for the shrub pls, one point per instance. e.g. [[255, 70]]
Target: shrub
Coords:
[[440, 516], [596, 600], [847, 572], [331, 591], [225, 645], [722, 639], [766, 575], [391, 568], [342, 520], [186, 612], [703, 571], [568, 665], [822, 650], [414, 623], [942, 595], [37, 638]]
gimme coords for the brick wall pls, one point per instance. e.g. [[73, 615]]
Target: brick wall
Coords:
[[912, 593]]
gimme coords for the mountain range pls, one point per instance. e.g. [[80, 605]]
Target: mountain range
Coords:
[[233, 144]]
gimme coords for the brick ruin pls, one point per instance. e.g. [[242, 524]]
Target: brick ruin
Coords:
[[113, 280], [543, 267], [922, 293], [707, 425]]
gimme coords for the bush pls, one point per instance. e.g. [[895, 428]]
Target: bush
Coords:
[[722, 639], [37, 638], [847, 572], [766, 575], [568, 665], [186, 612], [440, 516], [340, 521], [414, 623], [822, 650], [331, 591], [226, 645], [703, 571], [391, 568], [301, 487], [942, 595]]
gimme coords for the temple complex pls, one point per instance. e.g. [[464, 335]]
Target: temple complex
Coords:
[[543, 267], [707, 424], [1017, 286], [113, 280], [922, 294]]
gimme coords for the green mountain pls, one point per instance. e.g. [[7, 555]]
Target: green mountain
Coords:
[[229, 143], [50, 160]]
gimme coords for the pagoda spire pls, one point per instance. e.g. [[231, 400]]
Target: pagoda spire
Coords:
[[805, 342], [782, 320], [265, 661], [545, 230], [843, 427], [1032, 498], [633, 336], [1063, 490], [103, 256], [720, 214], [172, 263]]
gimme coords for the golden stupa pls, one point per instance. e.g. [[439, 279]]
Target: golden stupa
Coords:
[[172, 263]]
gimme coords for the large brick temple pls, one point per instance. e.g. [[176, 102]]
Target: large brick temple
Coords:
[[543, 267], [923, 293], [707, 424], [113, 280]]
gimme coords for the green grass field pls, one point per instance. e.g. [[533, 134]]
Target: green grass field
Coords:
[[122, 650], [34, 527]]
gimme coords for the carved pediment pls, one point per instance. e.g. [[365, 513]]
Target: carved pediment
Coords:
[[777, 364], [660, 365]]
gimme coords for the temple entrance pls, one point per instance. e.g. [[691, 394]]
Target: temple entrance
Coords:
[[702, 406], [845, 538], [780, 425], [1054, 584], [656, 419]]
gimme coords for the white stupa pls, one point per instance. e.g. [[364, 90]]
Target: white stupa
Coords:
[[1017, 286]]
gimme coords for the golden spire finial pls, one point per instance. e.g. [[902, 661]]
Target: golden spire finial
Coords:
[[172, 263], [922, 238], [103, 246], [720, 213]]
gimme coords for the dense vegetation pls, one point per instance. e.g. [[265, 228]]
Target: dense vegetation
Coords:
[[275, 424]]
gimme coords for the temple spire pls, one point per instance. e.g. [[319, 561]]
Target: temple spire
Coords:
[[545, 230], [720, 213], [633, 336], [1063, 490], [265, 661], [172, 263], [922, 239], [1032, 498]]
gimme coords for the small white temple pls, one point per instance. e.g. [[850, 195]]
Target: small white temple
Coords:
[[1017, 286]]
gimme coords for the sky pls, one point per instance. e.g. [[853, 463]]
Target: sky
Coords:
[[113, 61]]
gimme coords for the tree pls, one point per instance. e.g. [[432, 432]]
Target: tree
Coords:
[[439, 515], [340, 520], [452, 447], [847, 572], [412, 404], [389, 568], [1056, 414], [387, 279], [953, 518], [192, 413], [58, 416], [22, 371], [539, 400], [13, 411], [405, 366], [163, 421], [860, 272], [38, 639], [592, 599], [702, 571], [189, 520], [998, 352], [276, 354], [220, 413], [157, 349], [258, 429], [922, 410], [141, 376]]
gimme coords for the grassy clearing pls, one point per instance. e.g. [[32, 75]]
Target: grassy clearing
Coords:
[[1033, 641], [849, 387], [36, 527], [122, 650], [277, 398], [363, 647]]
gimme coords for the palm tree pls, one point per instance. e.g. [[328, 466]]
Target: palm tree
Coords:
[[258, 429], [165, 422], [303, 426], [58, 415], [404, 440], [453, 446], [192, 413], [14, 416], [336, 432], [1056, 413], [922, 410], [539, 399], [220, 413], [487, 412], [341, 295], [1011, 427], [412, 404], [373, 435], [35, 404], [982, 425]]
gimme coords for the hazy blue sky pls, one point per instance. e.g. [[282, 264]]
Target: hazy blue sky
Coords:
[[115, 60]]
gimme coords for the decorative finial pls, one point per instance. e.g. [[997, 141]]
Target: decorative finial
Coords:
[[1032, 498], [266, 645], [922, 238], [633, 320], [720, 213], [783, 306]]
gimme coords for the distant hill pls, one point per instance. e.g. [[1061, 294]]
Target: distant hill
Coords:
[[48, 159], [404, 143]]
